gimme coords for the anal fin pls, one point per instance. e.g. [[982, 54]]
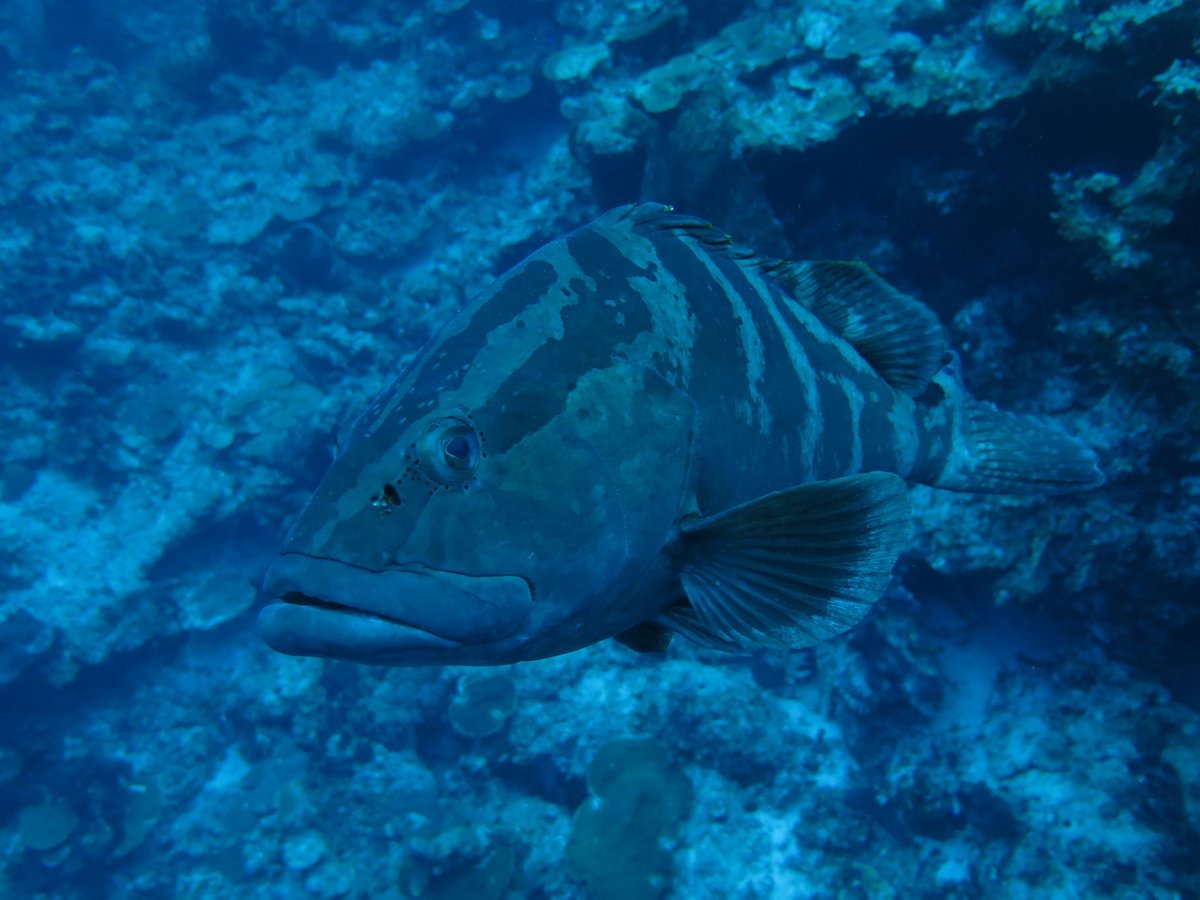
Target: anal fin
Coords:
[[645, 637]]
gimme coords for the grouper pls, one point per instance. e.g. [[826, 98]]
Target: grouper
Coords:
[[645, 429]]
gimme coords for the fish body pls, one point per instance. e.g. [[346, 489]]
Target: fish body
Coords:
[[644, 429]]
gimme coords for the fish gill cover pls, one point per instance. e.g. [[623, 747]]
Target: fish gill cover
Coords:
[[227, 226]]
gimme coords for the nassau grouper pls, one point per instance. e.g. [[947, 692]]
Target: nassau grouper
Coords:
[[644, 429]]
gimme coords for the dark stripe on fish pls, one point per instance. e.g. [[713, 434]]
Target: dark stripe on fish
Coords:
[[782, 387], [878, 432], [833, 449], [721, 370], [442, 367], [607, 315], [719, 365], [833, 359]]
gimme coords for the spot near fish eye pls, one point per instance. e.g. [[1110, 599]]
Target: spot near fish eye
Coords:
[[387, 498]]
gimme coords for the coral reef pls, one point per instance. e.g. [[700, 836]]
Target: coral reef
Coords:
[[620, 838], [483, 705], [228, 225]]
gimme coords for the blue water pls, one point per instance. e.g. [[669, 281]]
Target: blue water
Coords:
[[225, 226]]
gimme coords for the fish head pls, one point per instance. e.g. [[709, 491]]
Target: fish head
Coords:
[[454, 533]]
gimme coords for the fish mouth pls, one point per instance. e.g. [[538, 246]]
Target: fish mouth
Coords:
[[326, 607]]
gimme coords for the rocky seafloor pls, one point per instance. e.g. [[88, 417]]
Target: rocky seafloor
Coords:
[[226, 225]]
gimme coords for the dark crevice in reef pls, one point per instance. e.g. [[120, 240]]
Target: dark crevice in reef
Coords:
[[541, 777], [968, 216]]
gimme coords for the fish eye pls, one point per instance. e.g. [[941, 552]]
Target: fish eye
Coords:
[[449, 451], [459, 451]]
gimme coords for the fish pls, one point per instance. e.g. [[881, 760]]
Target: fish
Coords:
[[643, 430]]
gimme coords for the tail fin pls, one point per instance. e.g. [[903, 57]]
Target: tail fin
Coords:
[[999, 452]]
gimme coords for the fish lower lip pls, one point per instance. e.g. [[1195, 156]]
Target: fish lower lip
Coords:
[[343, 633], [446, 605]]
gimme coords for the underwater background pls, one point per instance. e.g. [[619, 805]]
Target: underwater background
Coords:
[[226, 225]]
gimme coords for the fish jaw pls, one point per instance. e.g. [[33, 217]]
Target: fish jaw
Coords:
[[394, 616]]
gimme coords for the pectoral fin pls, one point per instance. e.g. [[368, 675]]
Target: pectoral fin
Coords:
[[793, 568]]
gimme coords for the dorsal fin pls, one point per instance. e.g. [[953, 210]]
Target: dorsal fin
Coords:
[[664, 218], [898, 335]]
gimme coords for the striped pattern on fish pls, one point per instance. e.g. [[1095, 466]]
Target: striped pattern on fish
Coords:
[[642, 429]]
